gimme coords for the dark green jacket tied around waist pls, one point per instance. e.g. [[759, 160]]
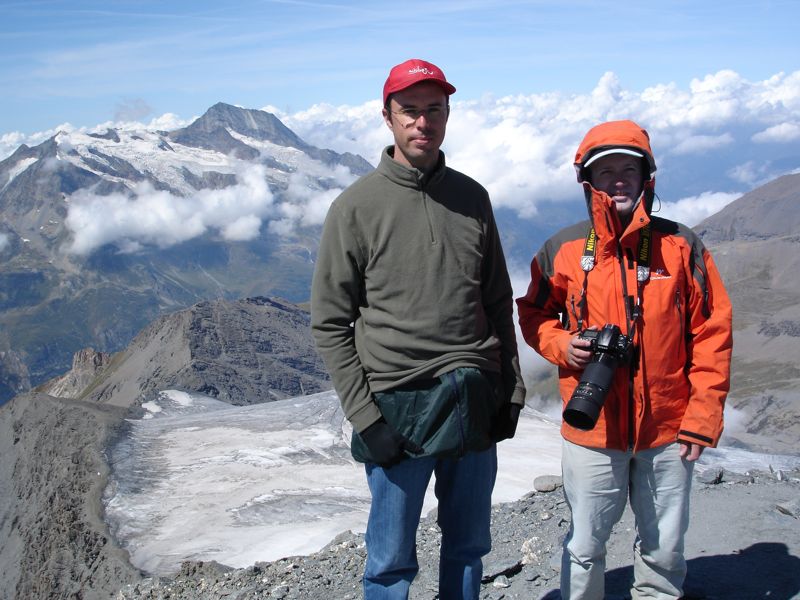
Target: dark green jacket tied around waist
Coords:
[[448, 415]]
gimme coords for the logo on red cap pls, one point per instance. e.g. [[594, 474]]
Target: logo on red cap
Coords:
[[414, 71]]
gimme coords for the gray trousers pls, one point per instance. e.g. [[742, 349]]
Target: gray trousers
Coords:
[[597, 486]]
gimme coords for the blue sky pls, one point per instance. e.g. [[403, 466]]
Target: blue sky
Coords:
[[717, 85], [86, 62]]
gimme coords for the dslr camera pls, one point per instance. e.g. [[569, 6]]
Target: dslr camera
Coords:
[[611, 349]]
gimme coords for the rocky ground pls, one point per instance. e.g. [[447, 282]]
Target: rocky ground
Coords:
[[54, 543], [744, 544]]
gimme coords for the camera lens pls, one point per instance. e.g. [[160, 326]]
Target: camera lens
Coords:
[[584, 406]]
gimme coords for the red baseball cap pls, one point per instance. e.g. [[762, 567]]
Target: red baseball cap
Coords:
[[413, 71]]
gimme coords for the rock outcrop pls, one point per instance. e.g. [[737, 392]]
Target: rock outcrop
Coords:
[[244, 352], [766, 212], [87, 365]]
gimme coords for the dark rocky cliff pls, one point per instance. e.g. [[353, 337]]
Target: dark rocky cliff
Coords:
[[242, 352], [53, 541]]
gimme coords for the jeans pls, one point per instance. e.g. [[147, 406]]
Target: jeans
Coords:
[[597, 485], [464, 492]]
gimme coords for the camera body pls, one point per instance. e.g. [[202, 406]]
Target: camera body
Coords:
[[611, 349]]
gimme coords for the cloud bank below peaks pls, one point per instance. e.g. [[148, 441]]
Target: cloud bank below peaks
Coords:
[[713, 141], [304, 204], [159, 218], [149, 217]]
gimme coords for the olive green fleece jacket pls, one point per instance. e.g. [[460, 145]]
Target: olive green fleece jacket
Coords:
[[411, 283]]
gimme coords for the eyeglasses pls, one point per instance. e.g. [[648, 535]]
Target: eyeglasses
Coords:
[[408, 116]]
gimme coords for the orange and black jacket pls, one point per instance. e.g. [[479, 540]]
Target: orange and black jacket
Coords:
[[676, 386]]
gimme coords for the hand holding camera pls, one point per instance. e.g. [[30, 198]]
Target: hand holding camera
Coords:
[[579, 352], [609, 349]]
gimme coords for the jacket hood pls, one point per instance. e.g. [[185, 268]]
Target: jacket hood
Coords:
[[625, 135]]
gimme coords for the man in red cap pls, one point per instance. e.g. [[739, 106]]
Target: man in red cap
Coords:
[[632, 310], [411, 310]]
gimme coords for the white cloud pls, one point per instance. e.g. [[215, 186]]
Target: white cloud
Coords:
[[9, 142], [690, 211], [282, 227], [521, 147], [356, 129], [779, 93], [165, 122], [236, 213], [502, 145], [242, 229], [168, 122], [3, 241], [750, 173], [157, 217], [317, 207], [698, 144], [304, 204], [784, 132]]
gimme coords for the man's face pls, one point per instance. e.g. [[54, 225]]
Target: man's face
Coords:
[[417, 117], [621, 177]]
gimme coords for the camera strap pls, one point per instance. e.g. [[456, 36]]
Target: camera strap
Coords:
[[589, 257], [589, 251], [633, 306], [588, 260], [643, 262]]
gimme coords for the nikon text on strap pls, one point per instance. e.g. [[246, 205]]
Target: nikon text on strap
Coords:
[[589, 259]]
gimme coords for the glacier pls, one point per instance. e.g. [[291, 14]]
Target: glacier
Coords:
[[194, 478]]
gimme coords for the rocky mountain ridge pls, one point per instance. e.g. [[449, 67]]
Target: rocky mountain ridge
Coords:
[[54, 540], [57, 297], [55, 543], [226, 127], [243, 352], [769, 211], [755, 241]]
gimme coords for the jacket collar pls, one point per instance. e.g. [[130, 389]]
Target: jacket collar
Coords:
[[606, 222], [408, 176]]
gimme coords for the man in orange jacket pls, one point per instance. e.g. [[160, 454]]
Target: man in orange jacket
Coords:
[[644, 388]]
